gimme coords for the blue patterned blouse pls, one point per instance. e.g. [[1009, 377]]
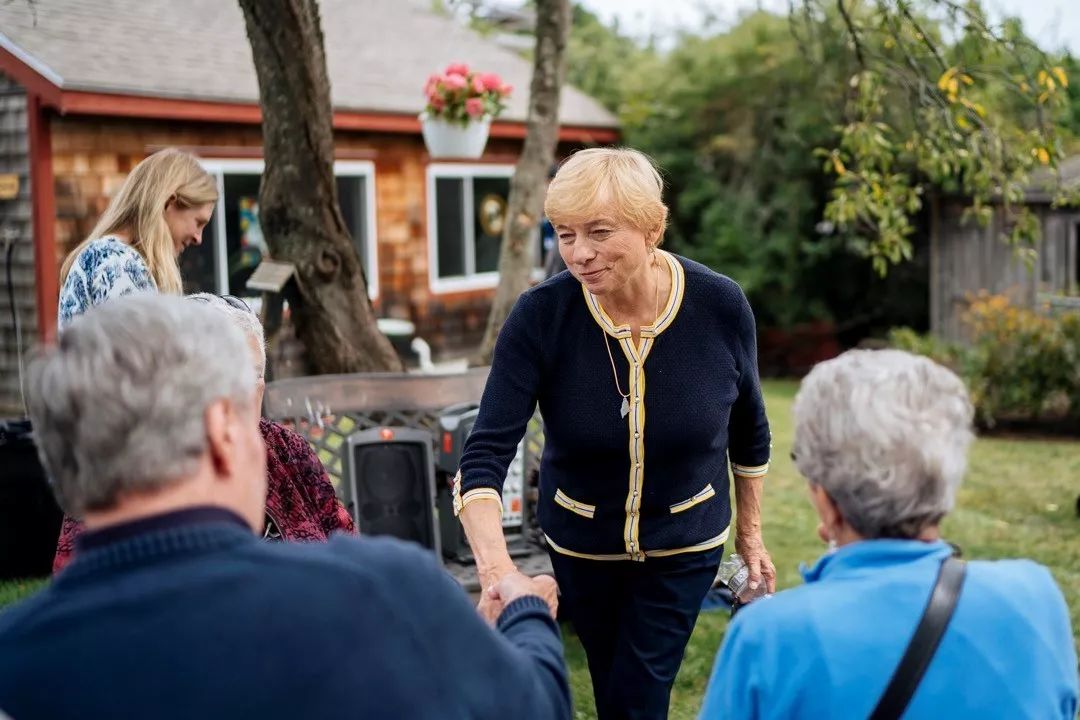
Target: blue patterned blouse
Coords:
[[106, 268]]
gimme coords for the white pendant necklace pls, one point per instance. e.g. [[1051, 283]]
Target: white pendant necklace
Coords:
[[624, 409]]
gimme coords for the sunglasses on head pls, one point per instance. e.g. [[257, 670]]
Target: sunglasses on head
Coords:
[[231, 300]]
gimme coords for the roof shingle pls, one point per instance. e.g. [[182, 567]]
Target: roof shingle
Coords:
[[379, 52]]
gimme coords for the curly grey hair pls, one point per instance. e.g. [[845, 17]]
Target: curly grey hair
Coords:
[[118, 405], [885, 434], [245, 320]]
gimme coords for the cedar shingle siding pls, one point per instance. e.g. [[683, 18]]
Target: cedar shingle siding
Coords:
[[15, 219]]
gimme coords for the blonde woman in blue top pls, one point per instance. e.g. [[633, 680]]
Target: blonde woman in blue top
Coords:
[[882, 438], [644, 367], [160, 210]]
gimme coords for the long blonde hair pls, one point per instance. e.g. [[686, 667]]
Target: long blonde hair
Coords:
[[138, 210]]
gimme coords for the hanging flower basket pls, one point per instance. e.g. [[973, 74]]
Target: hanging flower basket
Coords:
[[445, 139], [460, 107]]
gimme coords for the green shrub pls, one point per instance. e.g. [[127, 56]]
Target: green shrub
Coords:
[[1021, 364]]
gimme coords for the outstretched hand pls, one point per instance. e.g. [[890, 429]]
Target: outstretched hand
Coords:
[[514, 585]]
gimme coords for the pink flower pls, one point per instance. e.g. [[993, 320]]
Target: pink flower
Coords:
[[490, 81], [457, 69], [478, 85], [454, 82], [437, 103], [474, 107], [505, 90], [431, 85]]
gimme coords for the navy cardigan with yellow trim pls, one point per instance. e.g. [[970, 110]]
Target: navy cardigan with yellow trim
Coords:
[[652, 483]]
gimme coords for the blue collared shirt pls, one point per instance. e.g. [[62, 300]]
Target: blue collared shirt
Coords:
[[828, 648]]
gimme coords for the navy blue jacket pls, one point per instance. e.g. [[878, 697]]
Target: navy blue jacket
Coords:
[[202, 620], [651, 484]]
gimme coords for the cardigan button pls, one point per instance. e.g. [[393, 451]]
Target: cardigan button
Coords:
[[637, 435]]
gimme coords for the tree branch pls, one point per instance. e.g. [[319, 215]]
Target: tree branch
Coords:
[[849, 23]]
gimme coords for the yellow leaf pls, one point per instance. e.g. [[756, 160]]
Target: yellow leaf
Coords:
[[1059, 73], [1043, 77], [1024, 87], [967, 79], [1044, 156], [974, 107], [838, 166], [963, 123], [943, 81]]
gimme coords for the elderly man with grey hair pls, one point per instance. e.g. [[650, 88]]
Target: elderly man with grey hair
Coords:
[[300, 501], [882, 439], [174, 608]]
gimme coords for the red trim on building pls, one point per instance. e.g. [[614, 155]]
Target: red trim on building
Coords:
[[77, 102], [43, 201], [255, 152], [29, 78]]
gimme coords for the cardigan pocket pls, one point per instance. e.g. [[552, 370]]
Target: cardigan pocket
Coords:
[[582, 509], [690, 502]]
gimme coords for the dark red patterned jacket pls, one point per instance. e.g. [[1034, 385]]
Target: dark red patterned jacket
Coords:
[[300, 501]]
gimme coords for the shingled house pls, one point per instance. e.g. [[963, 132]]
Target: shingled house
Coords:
[[90, 87], [967, 258]]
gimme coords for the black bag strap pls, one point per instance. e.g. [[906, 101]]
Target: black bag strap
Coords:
[[924, 643]]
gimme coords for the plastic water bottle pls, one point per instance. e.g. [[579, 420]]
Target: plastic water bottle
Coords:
[[735, 574]]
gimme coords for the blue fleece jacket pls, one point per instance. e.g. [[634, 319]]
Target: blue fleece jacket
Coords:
[[827, 649]]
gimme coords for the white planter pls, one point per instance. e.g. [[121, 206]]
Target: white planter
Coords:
[[448, 140]]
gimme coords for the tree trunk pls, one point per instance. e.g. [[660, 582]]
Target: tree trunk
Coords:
[[526, 203], [298, 203]]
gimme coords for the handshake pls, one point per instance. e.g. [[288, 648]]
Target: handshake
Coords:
[[513, 585]]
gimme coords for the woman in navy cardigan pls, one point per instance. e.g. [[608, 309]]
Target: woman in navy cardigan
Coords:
[[644, 366]]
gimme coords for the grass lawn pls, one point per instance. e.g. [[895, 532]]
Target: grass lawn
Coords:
[[1017, 501]]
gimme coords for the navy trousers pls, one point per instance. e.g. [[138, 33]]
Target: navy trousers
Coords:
[[634, 620]]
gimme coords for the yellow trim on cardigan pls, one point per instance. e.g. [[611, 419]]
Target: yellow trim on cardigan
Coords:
[[585, 556], [583, 509], [636, 356], [636, 445], [671, 305], [700, 547], [484, 493], [751, 472], [690, 502], [674, 301]]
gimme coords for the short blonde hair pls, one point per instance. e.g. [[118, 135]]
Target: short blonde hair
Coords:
[[138, 209], [622, 179]]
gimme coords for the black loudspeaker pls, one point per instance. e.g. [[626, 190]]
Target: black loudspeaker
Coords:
[[455, 424], [390, 484], [29, 517]]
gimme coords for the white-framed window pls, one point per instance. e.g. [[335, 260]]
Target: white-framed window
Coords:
[[233, 244], [466, 210]]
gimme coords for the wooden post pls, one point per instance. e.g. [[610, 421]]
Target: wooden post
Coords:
[[43, 215]]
